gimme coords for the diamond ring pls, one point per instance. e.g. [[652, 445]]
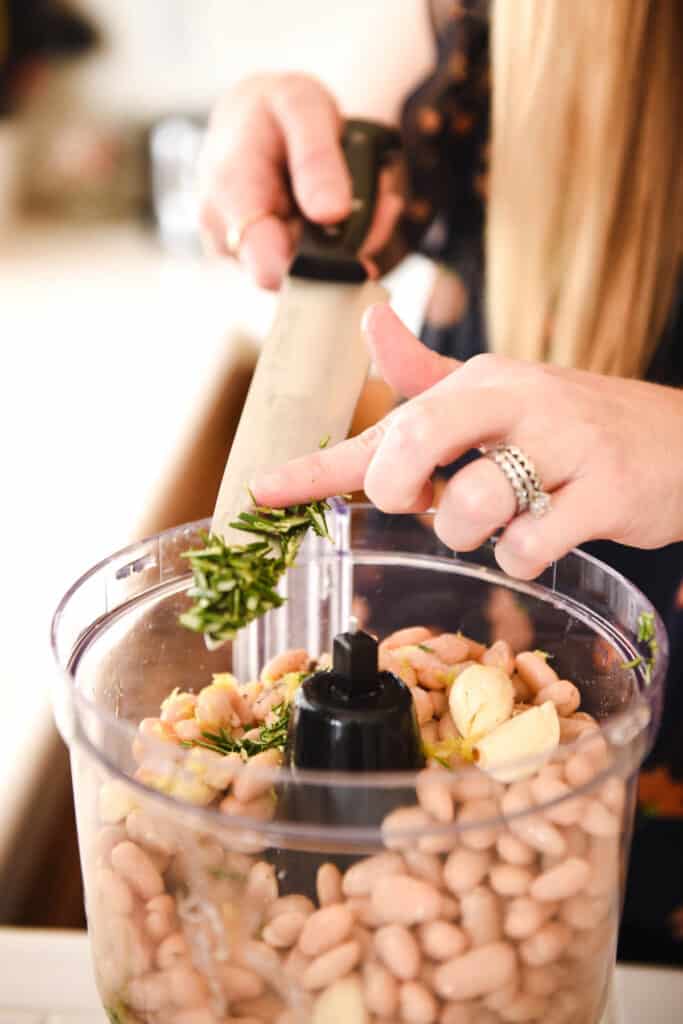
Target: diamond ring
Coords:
[[522, 476]]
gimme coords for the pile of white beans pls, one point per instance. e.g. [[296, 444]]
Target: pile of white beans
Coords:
[[493, 898]]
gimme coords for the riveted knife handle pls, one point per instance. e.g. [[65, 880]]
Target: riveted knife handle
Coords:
[[330, 252]]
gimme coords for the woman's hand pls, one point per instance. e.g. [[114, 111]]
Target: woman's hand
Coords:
[[610, 451], [272, 152]]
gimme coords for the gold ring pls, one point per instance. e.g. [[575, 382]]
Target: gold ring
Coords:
[[235, 230]]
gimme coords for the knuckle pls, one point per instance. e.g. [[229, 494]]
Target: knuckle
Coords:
[[469, 498], [484, 366], [413, 427], [369, 439]]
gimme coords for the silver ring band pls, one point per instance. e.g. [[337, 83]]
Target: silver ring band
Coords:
[[522, 476]]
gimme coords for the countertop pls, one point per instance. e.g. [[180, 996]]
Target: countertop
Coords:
[[66, 994]]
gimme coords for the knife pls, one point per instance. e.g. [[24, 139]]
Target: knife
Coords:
[[314, 363]]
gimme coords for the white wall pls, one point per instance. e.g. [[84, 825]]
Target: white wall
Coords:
[[179, 54]]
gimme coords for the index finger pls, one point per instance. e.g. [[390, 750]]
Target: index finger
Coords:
[[335, 470]]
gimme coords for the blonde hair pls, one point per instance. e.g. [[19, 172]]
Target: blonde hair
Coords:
[[586, 191]]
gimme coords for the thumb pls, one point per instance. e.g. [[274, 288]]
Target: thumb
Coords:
[[408, 366]]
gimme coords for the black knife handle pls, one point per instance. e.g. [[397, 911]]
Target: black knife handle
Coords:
[[330, 253]]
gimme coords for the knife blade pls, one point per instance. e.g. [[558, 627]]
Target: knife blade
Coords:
[[314, 363]]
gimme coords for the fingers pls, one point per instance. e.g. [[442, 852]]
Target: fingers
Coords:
[[310, 125], [428, 432], [270, 131], [528, 545], [248, 185], [334, 470], [266, 251], [344, 467], [475, 504], [407, 365]]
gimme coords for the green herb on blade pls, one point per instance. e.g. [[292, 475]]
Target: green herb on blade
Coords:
[[235, 584]]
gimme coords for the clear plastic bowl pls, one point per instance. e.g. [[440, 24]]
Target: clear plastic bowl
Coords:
[[490, 903]]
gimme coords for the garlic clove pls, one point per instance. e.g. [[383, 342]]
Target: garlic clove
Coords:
[[481, 698], [529, 737]]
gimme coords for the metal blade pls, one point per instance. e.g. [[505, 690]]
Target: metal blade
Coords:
[[307, 382]]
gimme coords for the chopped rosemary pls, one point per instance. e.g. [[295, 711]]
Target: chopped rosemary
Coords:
[[646, 635], [269, 737], [235, 584]]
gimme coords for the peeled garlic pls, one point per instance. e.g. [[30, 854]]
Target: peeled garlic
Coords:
[[481, 698], [531, 735], [342, 1001]]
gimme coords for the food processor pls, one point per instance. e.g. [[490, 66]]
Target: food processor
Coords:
[[440, 895]]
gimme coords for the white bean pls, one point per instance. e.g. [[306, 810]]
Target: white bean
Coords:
[[424, 865], [326, 928], [257, 777], [360, 878], [561, 882], [398, 950], [476, 973], [597, 820], [138, 869], [546, 945], [465, 869], [434, 793], [478, 810], [442, 940], [548, 790], [292, 904], [114, 892], [417, 1004], [328, 885], [510, 879], [511, 849], [331, 966], [524, 916], [380, 989], [481, 916], [284, 930], [400, 899], [412, 821]]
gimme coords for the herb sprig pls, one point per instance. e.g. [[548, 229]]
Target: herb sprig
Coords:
[[270, 736], [235, 584]]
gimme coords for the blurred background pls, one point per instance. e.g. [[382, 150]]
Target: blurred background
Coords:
[[126, 355]]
